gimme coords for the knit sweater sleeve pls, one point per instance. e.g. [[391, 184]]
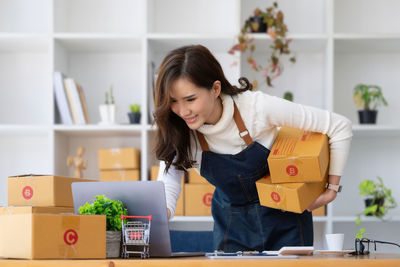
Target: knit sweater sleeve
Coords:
[[172, 182], [277, 112]]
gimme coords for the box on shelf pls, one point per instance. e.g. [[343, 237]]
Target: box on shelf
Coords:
[[41, 190], [321, 211], [27, 234], [298, 156], [120, 175], [198, 199], [119, 158], [196, 178], [294, 197], [154, 173]]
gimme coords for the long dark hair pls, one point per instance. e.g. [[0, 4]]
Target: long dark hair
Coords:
[[199, 66]]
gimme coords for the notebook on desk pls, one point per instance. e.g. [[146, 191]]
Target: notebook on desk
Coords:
[[140, 198]]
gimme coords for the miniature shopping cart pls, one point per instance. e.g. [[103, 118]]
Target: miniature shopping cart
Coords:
[[136, 235]]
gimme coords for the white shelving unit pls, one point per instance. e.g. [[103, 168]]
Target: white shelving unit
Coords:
[[338, 43]]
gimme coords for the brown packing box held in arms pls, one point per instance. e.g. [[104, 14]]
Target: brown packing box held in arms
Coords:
[[198, 199], [321, 211], [41, 190], [294, 197], [179, 204], [26, 234], [119, 158], [298, 156], [120, 175]]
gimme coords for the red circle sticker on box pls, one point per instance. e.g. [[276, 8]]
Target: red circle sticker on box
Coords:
[[27, 192], [292, 170], [70, 237], [275, 197], [207, 199]]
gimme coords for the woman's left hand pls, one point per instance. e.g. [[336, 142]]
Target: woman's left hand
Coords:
[[327, 196]]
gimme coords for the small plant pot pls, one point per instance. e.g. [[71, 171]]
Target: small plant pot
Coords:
[[257, 24], [134, 117], [113, 244], [370, 202], [367, 116], [107, 114]]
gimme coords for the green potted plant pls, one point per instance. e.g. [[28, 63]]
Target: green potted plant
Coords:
[[134, 115], [276, 29], [108, 109], [113, 210], [368, 98], [379, 200]]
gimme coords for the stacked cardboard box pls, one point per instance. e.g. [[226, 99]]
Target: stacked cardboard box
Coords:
[[298, 164], [198, 195], [179, 211], [39, 222], [119, 164]]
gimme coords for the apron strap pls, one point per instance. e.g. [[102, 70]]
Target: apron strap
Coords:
[[243, 132]]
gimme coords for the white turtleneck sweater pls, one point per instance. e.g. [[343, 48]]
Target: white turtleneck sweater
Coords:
[[262, 114]]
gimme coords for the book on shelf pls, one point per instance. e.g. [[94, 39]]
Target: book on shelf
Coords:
[[151, 91], [74, 101], [61, 98], [83, 102]]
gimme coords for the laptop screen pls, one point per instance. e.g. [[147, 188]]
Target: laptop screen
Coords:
[[141, 198]]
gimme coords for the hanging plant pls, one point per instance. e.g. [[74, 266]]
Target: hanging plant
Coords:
[[276, 29]]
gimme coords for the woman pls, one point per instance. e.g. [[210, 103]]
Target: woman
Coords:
[[226, 132]]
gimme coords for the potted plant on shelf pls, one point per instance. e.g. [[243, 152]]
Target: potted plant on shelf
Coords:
[[113, 210], [368, 98], [134, 115], [379, 200], [108, 109], [276, 29]]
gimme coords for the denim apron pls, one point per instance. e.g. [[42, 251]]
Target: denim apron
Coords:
[[240, 222]]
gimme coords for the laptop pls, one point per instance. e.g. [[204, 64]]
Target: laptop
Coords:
[[141, 198]]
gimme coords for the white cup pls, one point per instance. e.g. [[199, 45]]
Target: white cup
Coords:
[[334, 241]]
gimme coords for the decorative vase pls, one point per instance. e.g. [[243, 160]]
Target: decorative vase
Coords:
[[134, 117], [367, 116], [257, 24], [113, 244], [107, 114]]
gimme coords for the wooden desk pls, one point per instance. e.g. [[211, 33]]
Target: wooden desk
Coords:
[[385, 260]]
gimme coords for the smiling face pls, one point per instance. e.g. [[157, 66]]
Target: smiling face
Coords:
[[196, 105]]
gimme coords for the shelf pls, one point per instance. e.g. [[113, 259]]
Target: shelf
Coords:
[[210, 219], [99, 42], [24, 130], [360, 130], [367, 43], [395, 218], [300, 42], [166, 42], [28, 43], [98, 130]]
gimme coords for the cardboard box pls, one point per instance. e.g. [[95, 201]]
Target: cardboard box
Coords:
[[119, 158], [29, 235], [196, 178], [321, 211], [43, 191], [120, 175], [298, 156], [198, 199], [179, 210], [154, 173], [31, 209], [294, 197]]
